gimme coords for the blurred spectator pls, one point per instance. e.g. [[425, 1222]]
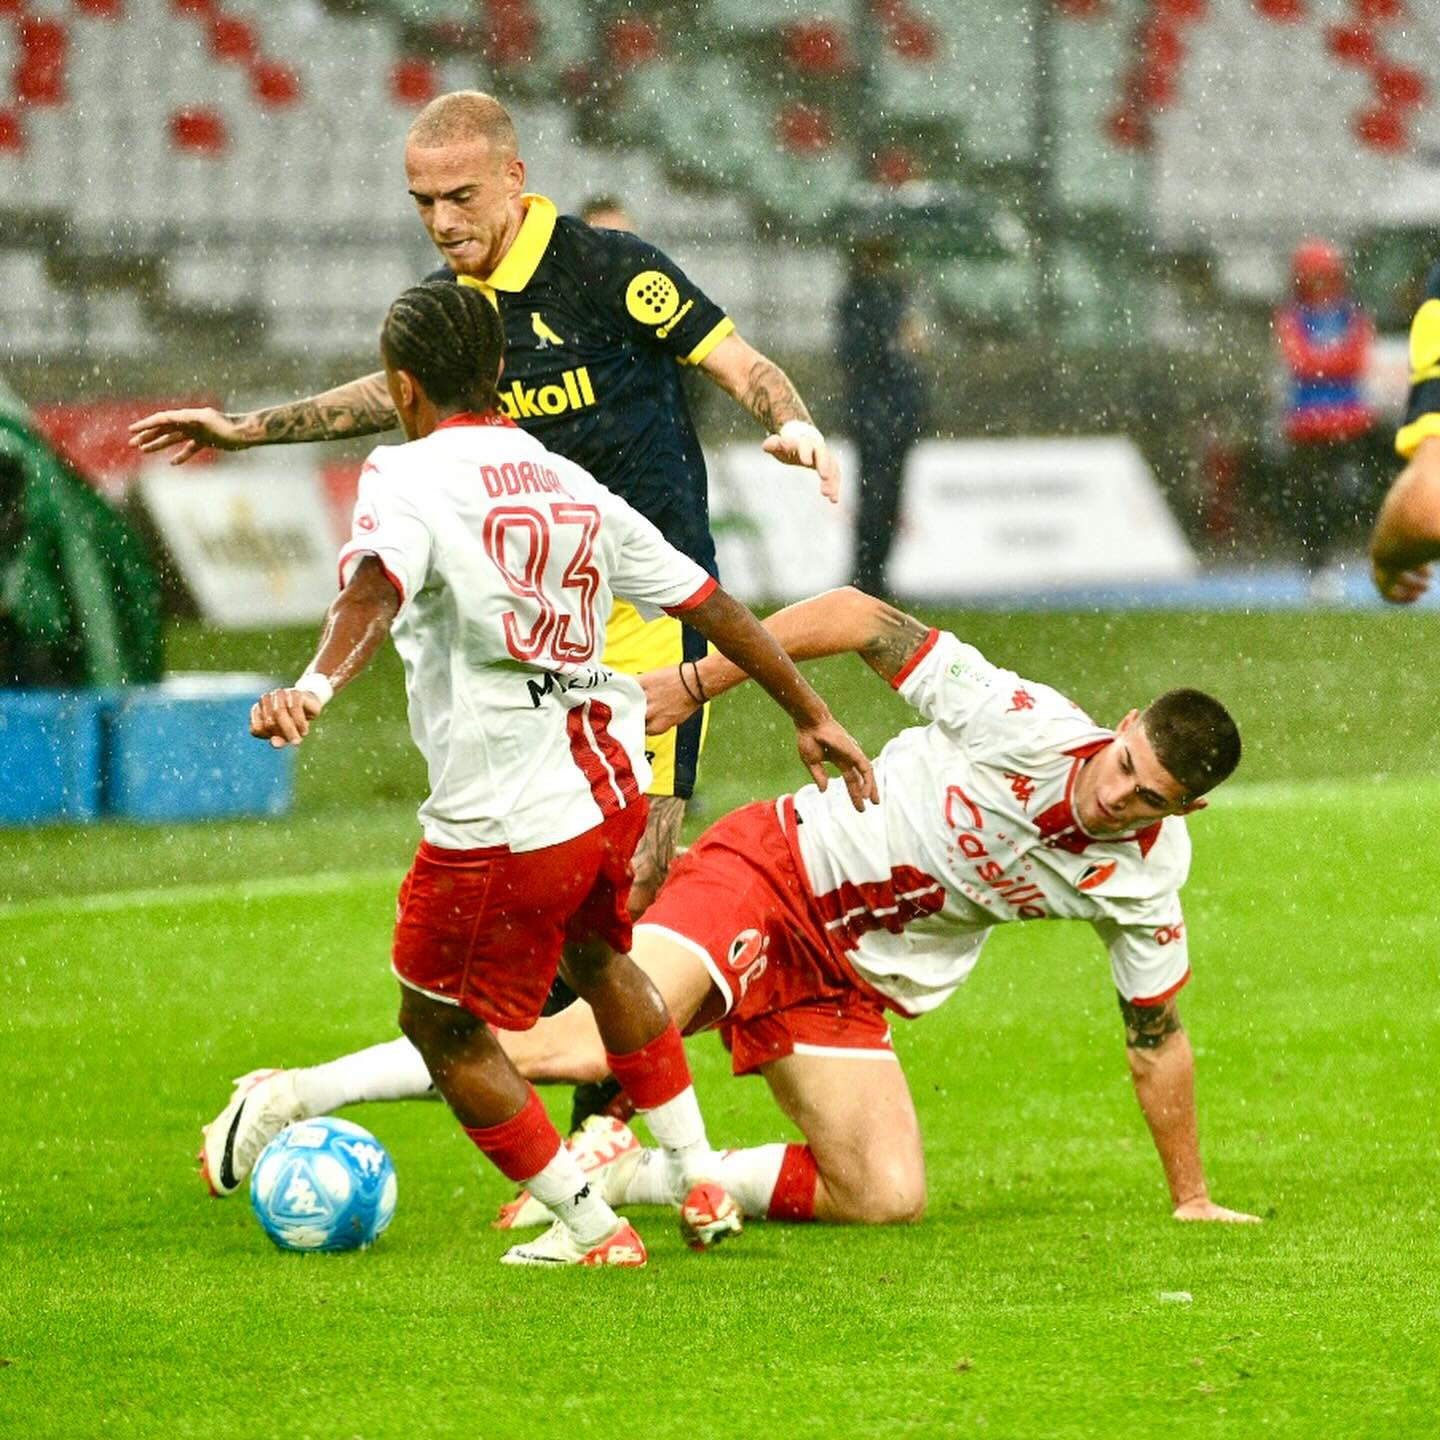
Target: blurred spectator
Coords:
[[1325, 342], [605, 212], [886, 396]]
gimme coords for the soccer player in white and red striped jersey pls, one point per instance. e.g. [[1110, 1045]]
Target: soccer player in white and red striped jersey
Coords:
[[492, 562], [795, 926]]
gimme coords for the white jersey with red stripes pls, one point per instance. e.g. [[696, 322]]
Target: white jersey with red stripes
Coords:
[[975, 828], [506, 557]]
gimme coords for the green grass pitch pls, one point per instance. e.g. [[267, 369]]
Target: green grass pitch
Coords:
[[147, 967]]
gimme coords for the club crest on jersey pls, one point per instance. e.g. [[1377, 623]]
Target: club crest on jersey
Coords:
[[543, 333], [519, 401], [1095, 875], [746, 958]]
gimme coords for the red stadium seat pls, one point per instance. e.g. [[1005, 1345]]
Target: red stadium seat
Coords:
[[12, 132], [895, 165], [1128, 128], [198, 130], [632, 40], [1287, 12], [12, 7], [412, 81], [1182, 11], [912, 38], [804, 129], [274, 85], [1382, 128], [1351, 44], [40, 71], [816, 47], [513, 32], [234, 40], [1378, 12], [1399, 85]]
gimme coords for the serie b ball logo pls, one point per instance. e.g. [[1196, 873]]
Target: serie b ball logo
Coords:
[[324, 1184]]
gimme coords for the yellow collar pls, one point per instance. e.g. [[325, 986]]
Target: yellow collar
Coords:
[[520, 262]]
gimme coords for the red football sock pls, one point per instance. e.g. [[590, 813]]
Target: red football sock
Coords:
[[794, 1194], [521, 1146], [654, 1073]]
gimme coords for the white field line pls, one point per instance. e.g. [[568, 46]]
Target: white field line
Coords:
[[180, 896], [1263, 795]]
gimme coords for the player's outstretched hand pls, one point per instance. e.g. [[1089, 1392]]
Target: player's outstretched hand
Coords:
[[192, 430], [1207, 1209], [831, 741], [666, 702], [800, 443], [1402, 587], [283, 716]]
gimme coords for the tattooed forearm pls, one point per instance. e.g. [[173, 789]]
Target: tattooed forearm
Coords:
[[1147, 1027], [360, 408], [656, 851], [896, 637], [770, 397]]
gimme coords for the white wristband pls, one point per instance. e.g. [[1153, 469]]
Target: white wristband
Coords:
[[800, 430], [317, 684]]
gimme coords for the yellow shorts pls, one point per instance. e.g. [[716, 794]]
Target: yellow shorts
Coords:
[[635, 646]]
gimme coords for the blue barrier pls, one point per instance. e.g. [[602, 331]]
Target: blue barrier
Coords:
[[177, 751]]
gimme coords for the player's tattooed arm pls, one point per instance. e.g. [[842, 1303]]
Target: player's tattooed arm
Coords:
[[1148, 1027], [894, 639], [362, 407], [756, 381]]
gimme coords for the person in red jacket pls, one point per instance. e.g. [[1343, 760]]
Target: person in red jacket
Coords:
[[1325, 342]]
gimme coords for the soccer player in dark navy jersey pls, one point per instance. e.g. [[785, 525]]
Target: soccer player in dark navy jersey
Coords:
[[1407, 530], [596, 324]]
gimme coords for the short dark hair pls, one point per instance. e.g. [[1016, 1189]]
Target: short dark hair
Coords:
[[449, 337], [1194, 737], [599, 205]]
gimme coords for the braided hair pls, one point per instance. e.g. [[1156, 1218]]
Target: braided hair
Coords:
[[449, 337]]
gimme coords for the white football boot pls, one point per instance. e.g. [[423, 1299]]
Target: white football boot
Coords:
[[607, 1151], [263, 1104], [557, 1246]]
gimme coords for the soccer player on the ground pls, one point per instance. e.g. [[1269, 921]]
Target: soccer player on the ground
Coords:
[[492, 562], [1406, 537], [597, 324], [793, 926]]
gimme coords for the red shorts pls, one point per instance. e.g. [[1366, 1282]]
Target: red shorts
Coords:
[[737, 901], [483, 929]]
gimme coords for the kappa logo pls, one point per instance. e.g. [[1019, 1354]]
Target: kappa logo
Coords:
[[1095, 875], [1022, 699], [519, 401], [543, 333]]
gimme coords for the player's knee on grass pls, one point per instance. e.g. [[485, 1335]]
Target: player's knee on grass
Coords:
[[882, 1190]]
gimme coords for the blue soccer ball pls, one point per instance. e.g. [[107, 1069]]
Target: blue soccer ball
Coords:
[[323, 1184]]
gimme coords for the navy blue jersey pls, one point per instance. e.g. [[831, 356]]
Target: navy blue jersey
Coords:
[[1422, 412], [595, 321]]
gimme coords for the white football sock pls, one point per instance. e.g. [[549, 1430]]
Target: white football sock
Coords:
[[390, 1071], [750, 1176], [651, 1182], [563, 1189], [680, 1129]]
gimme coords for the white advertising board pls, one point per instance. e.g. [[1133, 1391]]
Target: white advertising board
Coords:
[[978, 517], [252, 535]]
